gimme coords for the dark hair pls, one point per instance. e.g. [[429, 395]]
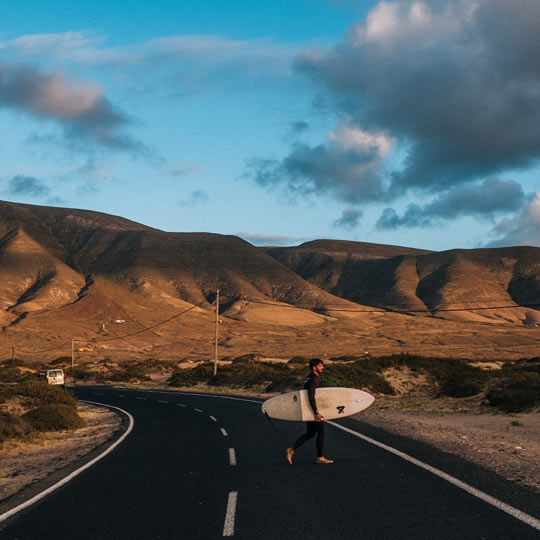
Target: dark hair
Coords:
[[315, 362]]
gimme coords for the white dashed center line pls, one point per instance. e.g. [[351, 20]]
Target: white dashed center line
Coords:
[[214, 419], [228, 528], [161, 401], [232, 456], [198, 410], [225, 434], [143, 398], [180, 404]]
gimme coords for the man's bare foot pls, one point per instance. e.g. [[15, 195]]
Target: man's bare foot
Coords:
[[290, 454], [324, 460]]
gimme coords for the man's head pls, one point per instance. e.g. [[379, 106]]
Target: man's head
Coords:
[[317, 365]]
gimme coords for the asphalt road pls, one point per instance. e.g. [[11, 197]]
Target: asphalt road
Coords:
[[200, 467]]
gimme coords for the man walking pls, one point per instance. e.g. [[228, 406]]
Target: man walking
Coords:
[[317, 427]]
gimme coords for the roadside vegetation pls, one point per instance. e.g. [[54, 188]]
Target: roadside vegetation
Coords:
[[34, 406], [515, 387]]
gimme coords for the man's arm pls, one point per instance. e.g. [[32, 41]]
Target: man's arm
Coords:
[[313, 384]]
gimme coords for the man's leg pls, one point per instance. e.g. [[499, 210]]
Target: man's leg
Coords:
[[311, 431], [320, 444]]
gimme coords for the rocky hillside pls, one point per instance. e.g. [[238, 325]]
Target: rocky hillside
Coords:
[[66, 272]]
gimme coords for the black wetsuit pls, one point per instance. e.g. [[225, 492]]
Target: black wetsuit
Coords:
[[313, 428]]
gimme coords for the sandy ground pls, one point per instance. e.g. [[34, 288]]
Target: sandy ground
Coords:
[[506, 444], [23, 463]]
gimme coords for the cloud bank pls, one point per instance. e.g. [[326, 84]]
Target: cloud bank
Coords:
[[452, 85], [484, 201], [522, 230], [81, 109]]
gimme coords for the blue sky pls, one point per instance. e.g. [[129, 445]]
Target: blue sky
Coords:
[[402, 122]]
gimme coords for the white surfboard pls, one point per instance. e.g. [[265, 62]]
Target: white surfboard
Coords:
[[331, 402]]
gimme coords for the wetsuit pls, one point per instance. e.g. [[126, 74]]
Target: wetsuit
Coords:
[[313, 428]]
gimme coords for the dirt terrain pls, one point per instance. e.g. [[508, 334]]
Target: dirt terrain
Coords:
[[23, 463], [506, 444], [106, 287]]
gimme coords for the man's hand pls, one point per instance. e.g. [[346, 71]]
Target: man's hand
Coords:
[[319, 417]]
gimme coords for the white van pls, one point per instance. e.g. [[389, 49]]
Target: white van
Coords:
[[54, 376]]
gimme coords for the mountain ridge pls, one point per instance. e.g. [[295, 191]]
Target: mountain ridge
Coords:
[[62, 267]]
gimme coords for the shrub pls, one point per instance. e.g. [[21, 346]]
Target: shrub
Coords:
[[346, 358], [129, 371], [13, 363], [256, 375], [12, 427], [356, 376], [516, 394], [250, 358], [524, 365], [9, 374], [80, 373], [61, 361], [299, 361], [461, 387], [191, 376], [40, 393], [53, 417]]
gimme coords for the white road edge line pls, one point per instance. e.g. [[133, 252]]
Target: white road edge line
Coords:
[[228, 528], [232, 456], [225, 434], [213, 418], [75, 473], [514, 512]]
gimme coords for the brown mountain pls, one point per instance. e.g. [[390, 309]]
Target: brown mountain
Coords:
[[466, 284], [54, 257], [79, 275]]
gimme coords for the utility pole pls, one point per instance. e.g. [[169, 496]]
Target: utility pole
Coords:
[[216, 335]]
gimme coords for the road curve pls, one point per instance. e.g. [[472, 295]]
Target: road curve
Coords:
[[205, 467]]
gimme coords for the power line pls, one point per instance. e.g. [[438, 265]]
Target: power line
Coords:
[[146, 328]]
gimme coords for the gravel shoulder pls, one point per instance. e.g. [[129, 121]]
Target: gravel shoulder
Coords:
[[24, 463], [506, 444]]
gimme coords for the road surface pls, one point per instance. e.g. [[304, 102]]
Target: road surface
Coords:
[[205, 467]]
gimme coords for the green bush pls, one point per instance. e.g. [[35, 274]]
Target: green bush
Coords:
[[53, 417], [129, 371], [516, 394], [355, 376], [524, 365], [191, 376], [461, 387], [346, 358], [40, 393], [250, 358], [9, 374], [13, 363], [12, 427], [299, 361], [61, 361], [80, 373]]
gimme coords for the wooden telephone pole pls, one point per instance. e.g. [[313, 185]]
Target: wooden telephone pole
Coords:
[[216, 334]]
